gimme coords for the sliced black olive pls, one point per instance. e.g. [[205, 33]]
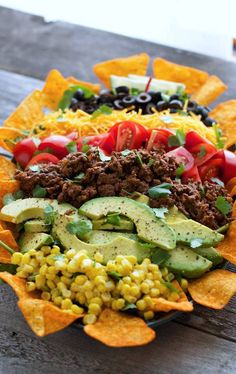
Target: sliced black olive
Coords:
[[122, 89], [176, 104], [106, 98], [174, 97], [204, 113], [79, 94], [209, 121], [74, 101], [192, 105], [150, 108], [128, 100], [162, 105], [156, 96], [118, 104], [143, 98]]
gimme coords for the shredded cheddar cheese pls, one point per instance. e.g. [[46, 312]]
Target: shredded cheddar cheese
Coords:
[[83, 123]]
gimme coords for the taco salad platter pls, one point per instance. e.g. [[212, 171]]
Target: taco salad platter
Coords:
[[117, 199]]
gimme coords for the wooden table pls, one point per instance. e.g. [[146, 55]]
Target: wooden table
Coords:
[[202, 342]]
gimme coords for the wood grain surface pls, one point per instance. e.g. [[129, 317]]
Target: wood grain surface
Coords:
[[200, 342]]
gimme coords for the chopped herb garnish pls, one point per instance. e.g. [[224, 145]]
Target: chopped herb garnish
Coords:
[[85, 148], [223, 205], [35, 168], [71, 147], [180, 169], [202, 152], [126, 152], [195, 243], [218, 181], [139, 159], [49, 215], [5, 246], [135, 91], [18, 194], [150, 162], [113, 219], [103, 157], [160, 212], [103, 109], [114, 275], [177, 140], [219, 139], [165, 97], [39, 191], [162, 190], [129, 306], [68, 94], [79, 227], [159, 256]]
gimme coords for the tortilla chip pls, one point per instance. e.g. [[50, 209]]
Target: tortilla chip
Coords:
[[209, 91], [191, 77], [42, 316], [8, 136], [225, 115], [7, 186], [54, 88], [227, 247], [117, 329], [7, 237], [136, 64], [95, 87], [214, 289], [28, 113], [231, 184], [7, 168], [163, 305]]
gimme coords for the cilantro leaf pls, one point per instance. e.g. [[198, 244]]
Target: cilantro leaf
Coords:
[[218, 134], [103, 157], [223, 205], [113, 219], [180, 169], [150, 162], [49, 214], [68, 95], [18, 194], [79, 227], [195, 243], [139, 159], [71, 147], [114, 275], [160, 212], [202, 152], [85, 148], [103, 109], [177, 140], [39, 191], [162, 190]]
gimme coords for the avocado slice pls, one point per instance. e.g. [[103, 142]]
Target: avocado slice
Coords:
[[174, 215], [124, 225], [24, 209], [210, 253], [187, 230], [186, 262], [35, 241], [101, 236], [149, 228], [36, 225], [118, 246]]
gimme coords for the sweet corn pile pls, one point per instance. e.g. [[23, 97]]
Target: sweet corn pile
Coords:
[[76, 283]]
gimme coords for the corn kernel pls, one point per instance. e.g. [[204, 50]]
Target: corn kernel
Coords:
[[50, 284], [138, 275], [184, 284], [94, 308], [74, 287], [111, 266], [98, 257], [148, 315], [130, 299], [96, 300], [141, 305], [55, 292], [45, 296], [80, 279], [72, 267], [144, 287], [55, 250], [52, 270], [125, 289], [164, 272], [16, 258], [25, 259], [77, 309], [51, 276], [154, 292], [30, 286], [33, 262], [40, 281], [32, 252], [66, 293], [43, 270], [80, 298], [89, 319], [134, 290], [66, 280], [28, 268], [58, 300], [86, 264], [120, 303], [106, 297], [61, 286], [71, 253], [22, 274], [148, 301], [88, 294], [132, 259], [39, 256], [99, 279], [66, 304], [127, 280], [60, 265]]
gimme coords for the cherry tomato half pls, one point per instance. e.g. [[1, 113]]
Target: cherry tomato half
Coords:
[[128, 135], [23, 151], [157, 138], [104, 141], [192, 174], [193, 138], [43, 158], [57, 144], [202, 152], [229, 170], [182, 156], [211, 169]]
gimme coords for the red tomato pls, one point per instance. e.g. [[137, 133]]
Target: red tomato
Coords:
[[104, 141], [192, 138], [107, 144], [43, 158], [128, 135], [191, 174], [207, 150], [57, 144], [211, 169], [158, 137], [182, 155], [23, 151], [229, 170]]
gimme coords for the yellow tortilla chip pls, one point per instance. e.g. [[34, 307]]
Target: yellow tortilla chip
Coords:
[[7, 238], [8, 136], [227, 247], [42, 316], [7, 168], [117, 329], [136, 64], [54, 88], [191, 77], [7, 186], [95, 87], [163, 305], [214, 289], [28, 113], [209, 91], [225, 114]]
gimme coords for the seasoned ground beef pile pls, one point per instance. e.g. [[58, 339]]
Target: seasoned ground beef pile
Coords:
[[80, 177]]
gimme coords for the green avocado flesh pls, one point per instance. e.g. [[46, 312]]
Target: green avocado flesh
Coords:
[[120, 245], [124, 225], [186, 262], [210, 253], [36, 225], [149, 228], [34, 241]]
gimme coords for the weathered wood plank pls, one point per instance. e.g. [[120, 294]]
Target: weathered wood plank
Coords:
[[177, 349], [32, 47]]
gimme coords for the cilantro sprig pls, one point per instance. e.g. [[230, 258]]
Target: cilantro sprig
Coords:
[[103, 109], [68, 95], [177, 140], [162, 190], [79, 227], [113, 219], [218, 134], [223, 205]]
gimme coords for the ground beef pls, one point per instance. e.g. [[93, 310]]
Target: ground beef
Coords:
[[80, 177]]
